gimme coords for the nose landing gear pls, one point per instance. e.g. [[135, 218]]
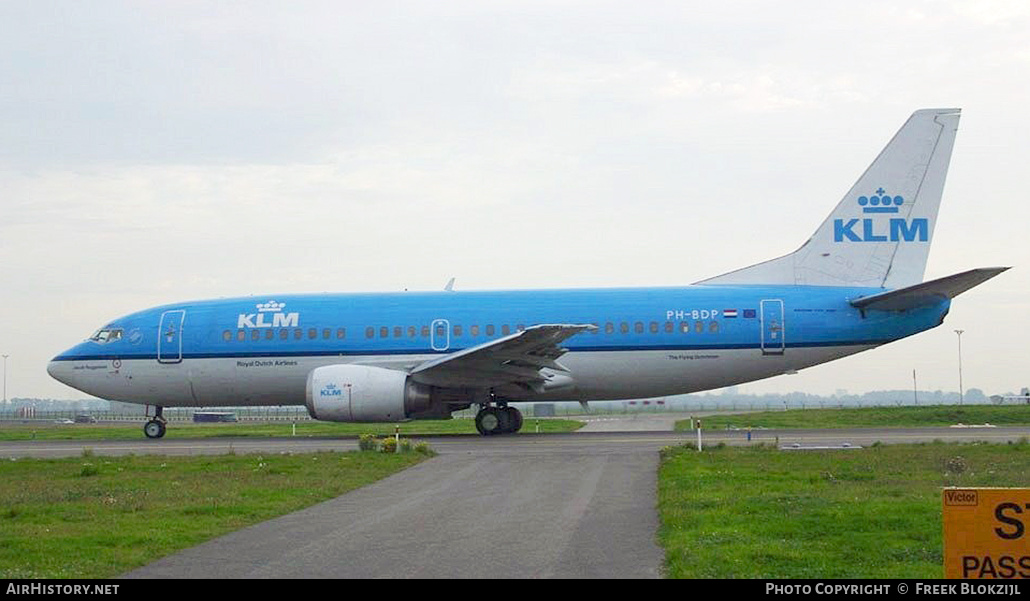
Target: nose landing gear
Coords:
[[498, 420], [155, 428]]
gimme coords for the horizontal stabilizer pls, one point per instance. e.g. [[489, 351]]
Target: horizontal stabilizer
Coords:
[[927, 293]]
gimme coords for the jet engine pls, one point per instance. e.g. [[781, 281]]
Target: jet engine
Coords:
[[360, 393]]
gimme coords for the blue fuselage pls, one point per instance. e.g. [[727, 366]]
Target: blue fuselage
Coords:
[[647, 342]]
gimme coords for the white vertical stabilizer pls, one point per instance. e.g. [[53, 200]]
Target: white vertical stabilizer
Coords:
[[880, 233]]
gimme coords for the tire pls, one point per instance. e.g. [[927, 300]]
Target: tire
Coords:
[[154, 429], [489, 421], [514, 419], [504, 417]]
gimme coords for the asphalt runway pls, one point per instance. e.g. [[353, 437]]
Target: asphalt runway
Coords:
[[578, 505]]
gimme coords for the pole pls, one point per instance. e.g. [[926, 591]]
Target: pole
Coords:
[[5, 381], [915, 389], [961, 390]]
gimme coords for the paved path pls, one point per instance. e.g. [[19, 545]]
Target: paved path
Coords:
[[571, 515]]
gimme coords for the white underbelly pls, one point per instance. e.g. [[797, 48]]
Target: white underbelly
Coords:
[[598, 375]]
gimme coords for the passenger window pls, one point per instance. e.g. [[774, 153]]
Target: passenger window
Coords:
[[425, 332], [411, 331], [441, 331], [713, 327], [457, 330], [653, 327], [284, 334], [269, 334], [341, 333], [669, 327], [255, 335], [384, 332], [699, 327], [685, 327], [609, 328], [638, 328], [474, 330], [398, 331], [241, 335], [312, 333], [327, 333], [624, 328], [370, 332], [298, 334], [505, 329], [490, 330], [227, 336]]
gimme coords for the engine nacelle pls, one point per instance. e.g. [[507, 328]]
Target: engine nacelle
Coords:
[[360, 393]]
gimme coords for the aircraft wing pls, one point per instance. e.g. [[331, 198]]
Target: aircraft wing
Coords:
[[927, 293], [528, 358]]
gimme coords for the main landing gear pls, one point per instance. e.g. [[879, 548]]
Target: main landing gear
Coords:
[[498, 420], [155, 428]]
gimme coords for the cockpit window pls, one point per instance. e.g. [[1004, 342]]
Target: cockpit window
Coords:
[[105, 335]]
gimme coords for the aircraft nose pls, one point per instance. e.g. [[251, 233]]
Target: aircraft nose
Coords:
[[58, 370]]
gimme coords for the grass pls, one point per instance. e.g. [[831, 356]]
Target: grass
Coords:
[[756, 512], [12, 432], [92, 517], [938, 415]]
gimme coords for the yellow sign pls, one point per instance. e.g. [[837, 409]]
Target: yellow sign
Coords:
[[986, 532]]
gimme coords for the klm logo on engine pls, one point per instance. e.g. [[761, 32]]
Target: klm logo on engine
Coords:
[[269, 315], [332, 390], [872, 229]]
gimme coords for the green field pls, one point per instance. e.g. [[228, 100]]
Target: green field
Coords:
[[98, 517], [47, 431], [756, 512], [872, 417]]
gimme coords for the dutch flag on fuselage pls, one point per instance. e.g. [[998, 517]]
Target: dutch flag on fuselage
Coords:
[[729, 313]]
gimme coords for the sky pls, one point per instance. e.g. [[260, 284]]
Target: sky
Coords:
[[159, 152]]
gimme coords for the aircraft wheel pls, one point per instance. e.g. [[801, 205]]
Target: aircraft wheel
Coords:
[[514, 420], [154, 429], [506, 421], [489, 421]]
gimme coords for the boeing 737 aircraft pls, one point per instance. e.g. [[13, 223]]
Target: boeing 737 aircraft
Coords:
[[855, 284]]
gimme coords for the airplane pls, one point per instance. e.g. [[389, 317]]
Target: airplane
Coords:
[[856, 284], [1022, 397]]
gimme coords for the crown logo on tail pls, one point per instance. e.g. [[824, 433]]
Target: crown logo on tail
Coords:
[[881, 202]]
